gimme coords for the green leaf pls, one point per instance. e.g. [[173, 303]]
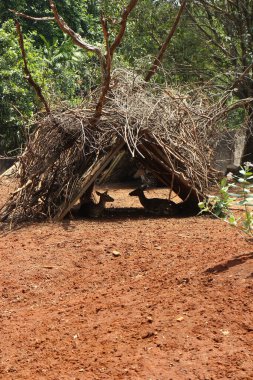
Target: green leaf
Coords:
[[201, 205], [242, 203], [232, 220], [223, 182]]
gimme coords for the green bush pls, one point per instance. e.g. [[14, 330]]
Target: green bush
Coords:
[[63, 71], [220, 204], [18, 102]]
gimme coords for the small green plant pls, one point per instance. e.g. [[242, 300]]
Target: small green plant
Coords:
[[220, 205]]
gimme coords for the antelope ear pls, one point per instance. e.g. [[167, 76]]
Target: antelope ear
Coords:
[[98, 193]]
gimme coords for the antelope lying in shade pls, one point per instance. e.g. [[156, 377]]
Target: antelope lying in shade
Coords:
[[95, 210], [155, 206]]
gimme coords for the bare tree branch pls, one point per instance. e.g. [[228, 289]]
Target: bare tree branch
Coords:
[[109, 53], [76, 38], [215, 7], [28, 76], [123, 23], [107, 76], [159, 57], [107, 42], [31, 17], [235, 84], [105, 60], [215, 43]]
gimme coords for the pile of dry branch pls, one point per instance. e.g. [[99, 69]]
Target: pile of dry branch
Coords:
[[167, 131]]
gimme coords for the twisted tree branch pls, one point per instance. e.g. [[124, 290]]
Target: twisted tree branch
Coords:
[[76, 38], [123, 23], [105, 59], [159, 57], [27, 72], [20, 14]]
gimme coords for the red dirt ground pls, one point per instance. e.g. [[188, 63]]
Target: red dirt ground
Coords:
[[173, 302]]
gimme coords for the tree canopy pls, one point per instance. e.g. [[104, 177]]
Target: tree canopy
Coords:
[[211, 47]]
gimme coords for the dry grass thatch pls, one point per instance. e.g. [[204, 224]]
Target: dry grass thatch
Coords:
[[167, 130]]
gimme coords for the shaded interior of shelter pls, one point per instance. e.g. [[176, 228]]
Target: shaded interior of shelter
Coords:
[[125, 174]]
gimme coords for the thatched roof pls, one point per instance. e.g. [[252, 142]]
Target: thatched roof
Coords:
[[171, 133]]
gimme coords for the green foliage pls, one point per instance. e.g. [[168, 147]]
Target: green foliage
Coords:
[[244, 184], [62, 70], [66, 72], [82, 16], [69, 70], [220, 204], [227, 29], [146, 31], [17, 100], [187, 57]]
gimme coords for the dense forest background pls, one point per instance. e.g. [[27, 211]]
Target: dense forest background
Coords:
[[212, 48]]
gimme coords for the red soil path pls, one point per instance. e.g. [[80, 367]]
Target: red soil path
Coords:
[[126, 297]]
